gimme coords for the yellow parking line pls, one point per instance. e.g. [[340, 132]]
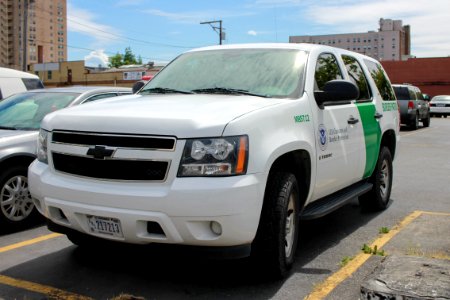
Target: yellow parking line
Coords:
[[418, 131], [29, 242], [54, 293], [335, 279]]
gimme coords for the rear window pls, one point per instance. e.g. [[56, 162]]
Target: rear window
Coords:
[[32, 84], [441, 98], [402, 93]]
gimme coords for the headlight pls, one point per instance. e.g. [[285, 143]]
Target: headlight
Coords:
[[42, 146], [214, 157]]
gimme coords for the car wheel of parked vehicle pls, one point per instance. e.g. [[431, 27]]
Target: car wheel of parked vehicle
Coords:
[[16, 204], [378, 197], [415, 123], [426, 121], [276, 239]]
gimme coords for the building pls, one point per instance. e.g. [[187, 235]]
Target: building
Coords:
[[431, 75], [68, 73], [392, 41], [35, 28]]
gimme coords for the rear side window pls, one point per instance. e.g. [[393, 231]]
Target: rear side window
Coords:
[[381, 80], [32, 84], [357, 76], [327, 69], [402, 93]]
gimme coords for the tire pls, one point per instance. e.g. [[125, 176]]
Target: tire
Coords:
[[445, 116], [16, 205], [426, 121], [415, 124], [378, 198], [276, 240]]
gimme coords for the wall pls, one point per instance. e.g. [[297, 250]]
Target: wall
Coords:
[[431, 75]]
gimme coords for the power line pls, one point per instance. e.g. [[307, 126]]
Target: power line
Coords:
[[120, 36]]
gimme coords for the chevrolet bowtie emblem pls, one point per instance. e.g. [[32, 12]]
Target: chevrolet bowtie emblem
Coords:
[[99, 152]]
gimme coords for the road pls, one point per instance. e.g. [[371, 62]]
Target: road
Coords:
[[55, 269]]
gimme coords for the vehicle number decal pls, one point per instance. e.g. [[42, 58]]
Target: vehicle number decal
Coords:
[[301, 118]]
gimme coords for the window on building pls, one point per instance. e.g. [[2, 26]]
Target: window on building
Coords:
[[49, 75]]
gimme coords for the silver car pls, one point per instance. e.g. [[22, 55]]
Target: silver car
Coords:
[[440, 106], [20, 118]]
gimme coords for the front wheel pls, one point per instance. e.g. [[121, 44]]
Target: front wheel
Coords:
[[16, 205], [276, 239], [378, 197]]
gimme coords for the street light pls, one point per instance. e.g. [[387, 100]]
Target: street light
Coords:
[[216, 29]]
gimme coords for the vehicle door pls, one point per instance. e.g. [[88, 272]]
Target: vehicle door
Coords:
[[339, 134]]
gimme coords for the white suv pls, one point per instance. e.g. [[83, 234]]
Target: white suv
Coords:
[[227, 147]]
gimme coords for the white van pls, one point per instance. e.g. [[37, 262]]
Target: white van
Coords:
[[13, 81]]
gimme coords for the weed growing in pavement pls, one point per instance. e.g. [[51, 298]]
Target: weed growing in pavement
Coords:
[[345, 260], [384, 230], [368, 250]]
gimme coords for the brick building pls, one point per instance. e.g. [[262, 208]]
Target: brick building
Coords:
[[431, 75], [392, 41], [38, 27]]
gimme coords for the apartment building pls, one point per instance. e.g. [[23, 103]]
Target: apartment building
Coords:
[[32, 31], [392, 41]]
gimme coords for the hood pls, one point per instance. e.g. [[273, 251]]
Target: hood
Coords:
[[176, 115], [11, 139]]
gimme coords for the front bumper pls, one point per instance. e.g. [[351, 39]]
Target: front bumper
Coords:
[[184, 209]]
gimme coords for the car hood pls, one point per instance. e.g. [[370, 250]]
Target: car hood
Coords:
[[12, 138], [176, 115]]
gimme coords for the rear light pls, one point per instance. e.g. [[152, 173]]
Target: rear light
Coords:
[[410, 105]]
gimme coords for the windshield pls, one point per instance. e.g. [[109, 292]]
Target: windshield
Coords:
[[25, 111], [265, 72]]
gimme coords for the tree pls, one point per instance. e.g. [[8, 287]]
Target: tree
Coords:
[[128, 58]]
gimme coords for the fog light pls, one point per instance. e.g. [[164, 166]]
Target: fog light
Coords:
[[216, 227]]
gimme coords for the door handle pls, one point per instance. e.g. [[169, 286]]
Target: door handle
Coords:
[[378, 115], [352, 120]]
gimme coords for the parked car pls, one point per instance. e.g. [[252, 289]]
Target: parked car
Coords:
[[13, 81], [20, 118], [440, 106], [413, 107]]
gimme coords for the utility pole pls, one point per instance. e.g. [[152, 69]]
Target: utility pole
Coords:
[[219, 29]]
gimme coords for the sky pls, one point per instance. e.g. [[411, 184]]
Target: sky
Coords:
[[160, 30]]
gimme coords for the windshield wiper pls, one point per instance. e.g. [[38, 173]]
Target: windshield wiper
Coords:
[[228, 91], [8, 128], [163, 90]]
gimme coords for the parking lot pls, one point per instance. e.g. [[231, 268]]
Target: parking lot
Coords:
[[37, 264]]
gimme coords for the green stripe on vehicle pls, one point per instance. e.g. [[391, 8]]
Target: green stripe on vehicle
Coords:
[[372, 135]]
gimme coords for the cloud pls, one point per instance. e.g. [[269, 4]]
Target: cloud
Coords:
[[85, 22], [252, 32], [428, 21], [196, 17], [96, 58]]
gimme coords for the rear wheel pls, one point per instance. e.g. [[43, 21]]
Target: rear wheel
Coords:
[[415, 123], [276, 239], [378, 197], [426, 121]]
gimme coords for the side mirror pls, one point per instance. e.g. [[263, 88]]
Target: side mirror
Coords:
[[335, 91], [426, 97], [137, 86]]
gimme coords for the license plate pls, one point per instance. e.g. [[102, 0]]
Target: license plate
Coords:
[[440, 105], [103, 225]]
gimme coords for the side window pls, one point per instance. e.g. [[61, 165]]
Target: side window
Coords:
[[381, 80], [99, 96], [327, 69], [419, 95], [357, 76], [412, 94]]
